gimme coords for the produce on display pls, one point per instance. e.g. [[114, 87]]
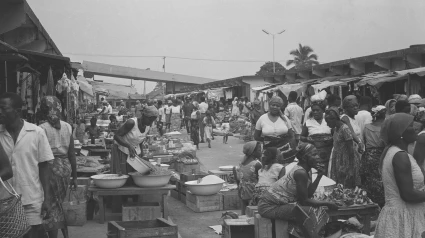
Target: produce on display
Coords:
[[345, 197]]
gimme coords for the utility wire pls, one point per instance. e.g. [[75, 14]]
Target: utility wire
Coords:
[[171, 57]]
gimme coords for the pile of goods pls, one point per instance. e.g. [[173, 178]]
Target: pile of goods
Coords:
[[345, 197], [237, 126]]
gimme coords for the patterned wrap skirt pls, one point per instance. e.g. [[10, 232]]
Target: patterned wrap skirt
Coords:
[[369, 172]]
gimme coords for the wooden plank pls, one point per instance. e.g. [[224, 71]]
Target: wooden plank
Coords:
[[141, 211]]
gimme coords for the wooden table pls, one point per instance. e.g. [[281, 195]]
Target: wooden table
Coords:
[[366, 211], [131, 190]]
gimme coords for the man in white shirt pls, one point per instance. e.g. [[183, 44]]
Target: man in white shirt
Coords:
[[29, 152], [167, 110], [295, 114], [203, 107], [364, 116]]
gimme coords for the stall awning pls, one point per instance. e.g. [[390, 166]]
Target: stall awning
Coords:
[[84, 85], [260, 88], [287, 88], [377, 79], [327, 84], [418, 71]]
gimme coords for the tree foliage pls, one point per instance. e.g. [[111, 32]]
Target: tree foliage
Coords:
[[267, 68], [303, 57]]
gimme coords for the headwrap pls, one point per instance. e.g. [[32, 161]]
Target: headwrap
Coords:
[[150, 111], [392, 130], [256, 102], [387, 105], [349, 101], [196, 104], [414, 98], [420, 116], [400, 97], [304, 149], [378, 111], [422, 103], [249, 148], [334, 110], [248, 104], [321, 96], [169, 101], [236, 98], [276, 99], [52, 109]]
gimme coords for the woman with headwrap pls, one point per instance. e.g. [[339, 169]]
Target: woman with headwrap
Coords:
[[128, 140], [403, 180], [275, 130], [317, 132], [64, 165], [342, 167], [195, 121], [235, 107], [351, 108], [270, 172], [390, 106], [291, 197], [369, 166], [246, 173]]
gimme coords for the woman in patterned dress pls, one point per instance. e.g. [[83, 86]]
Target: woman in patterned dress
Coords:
[[290, 198], [341, 168], [59, 134]]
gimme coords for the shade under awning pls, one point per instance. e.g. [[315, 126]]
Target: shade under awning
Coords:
[[327, 84], [287, 88]]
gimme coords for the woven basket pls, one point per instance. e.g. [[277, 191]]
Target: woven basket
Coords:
[[13, 220]]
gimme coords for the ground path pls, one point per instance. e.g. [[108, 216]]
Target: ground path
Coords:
[[191, 224]]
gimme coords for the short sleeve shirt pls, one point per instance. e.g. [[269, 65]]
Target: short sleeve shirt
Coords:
[[269, 128], [295, 114], [32, 147], [203, 107], [270, 176]]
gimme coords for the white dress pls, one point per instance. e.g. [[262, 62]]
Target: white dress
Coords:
[[235, 109], [398, 218]]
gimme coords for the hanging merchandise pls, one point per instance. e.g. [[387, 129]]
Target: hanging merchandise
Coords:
[[63, 84], [228, 93], [50, 83]]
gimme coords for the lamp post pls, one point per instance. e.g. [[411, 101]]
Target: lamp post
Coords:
[[273, 35]]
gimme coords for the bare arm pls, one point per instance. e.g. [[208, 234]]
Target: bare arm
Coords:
[[123, 130], [419, 153], [313, 186], [44, 174], [258, 166], [6, 171], [257, 136], [403, 176], [72, 159], [301, 179], [282, 173], [347, 122], [304, 134]]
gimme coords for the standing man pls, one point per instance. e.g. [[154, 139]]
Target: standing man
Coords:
[[167, 109], [364, 116], [187, 111], [161, 118], [203, 107], [29, 153], [295, 114]]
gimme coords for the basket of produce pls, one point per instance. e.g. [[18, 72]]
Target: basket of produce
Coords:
[[158, 177], [205, 186], [109, 180]]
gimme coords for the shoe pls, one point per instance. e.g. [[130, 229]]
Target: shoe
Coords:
[[209, 145]]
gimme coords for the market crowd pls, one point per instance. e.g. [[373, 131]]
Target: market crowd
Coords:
[[379, 148]]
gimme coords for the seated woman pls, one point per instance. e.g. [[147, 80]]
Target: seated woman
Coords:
[[268, 174], [114, 125], [247, 173], [291, 196], [403, 213]]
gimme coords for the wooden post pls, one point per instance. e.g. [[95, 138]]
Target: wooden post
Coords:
[[408, 85]]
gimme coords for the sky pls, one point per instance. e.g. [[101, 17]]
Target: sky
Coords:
[[225, 30]]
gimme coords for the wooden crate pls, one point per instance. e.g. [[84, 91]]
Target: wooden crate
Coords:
[[204, 203], [238, 228], [184, 177], [231, 200], [263, 227], [250, 211], [141, 211], [159, 228], [175, 194]]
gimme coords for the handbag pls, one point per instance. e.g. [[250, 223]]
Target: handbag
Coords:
[[75, 211], [13, 219]]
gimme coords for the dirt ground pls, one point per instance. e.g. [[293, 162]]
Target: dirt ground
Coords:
[[190, 224]]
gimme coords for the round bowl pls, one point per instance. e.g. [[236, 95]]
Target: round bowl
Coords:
[[108, 180], [203, 189], [165, 166], [150, 181]]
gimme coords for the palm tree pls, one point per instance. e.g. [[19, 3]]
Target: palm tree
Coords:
[[303, 57]]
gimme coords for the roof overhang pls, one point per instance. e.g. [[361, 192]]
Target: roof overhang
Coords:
[[93, 68]]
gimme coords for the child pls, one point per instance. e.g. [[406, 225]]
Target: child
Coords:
[[208, 122], [225, 127]]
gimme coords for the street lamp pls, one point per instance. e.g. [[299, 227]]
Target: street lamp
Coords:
[[268, 33]]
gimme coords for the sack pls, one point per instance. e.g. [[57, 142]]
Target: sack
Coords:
[[75, 211], [13, 219]]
